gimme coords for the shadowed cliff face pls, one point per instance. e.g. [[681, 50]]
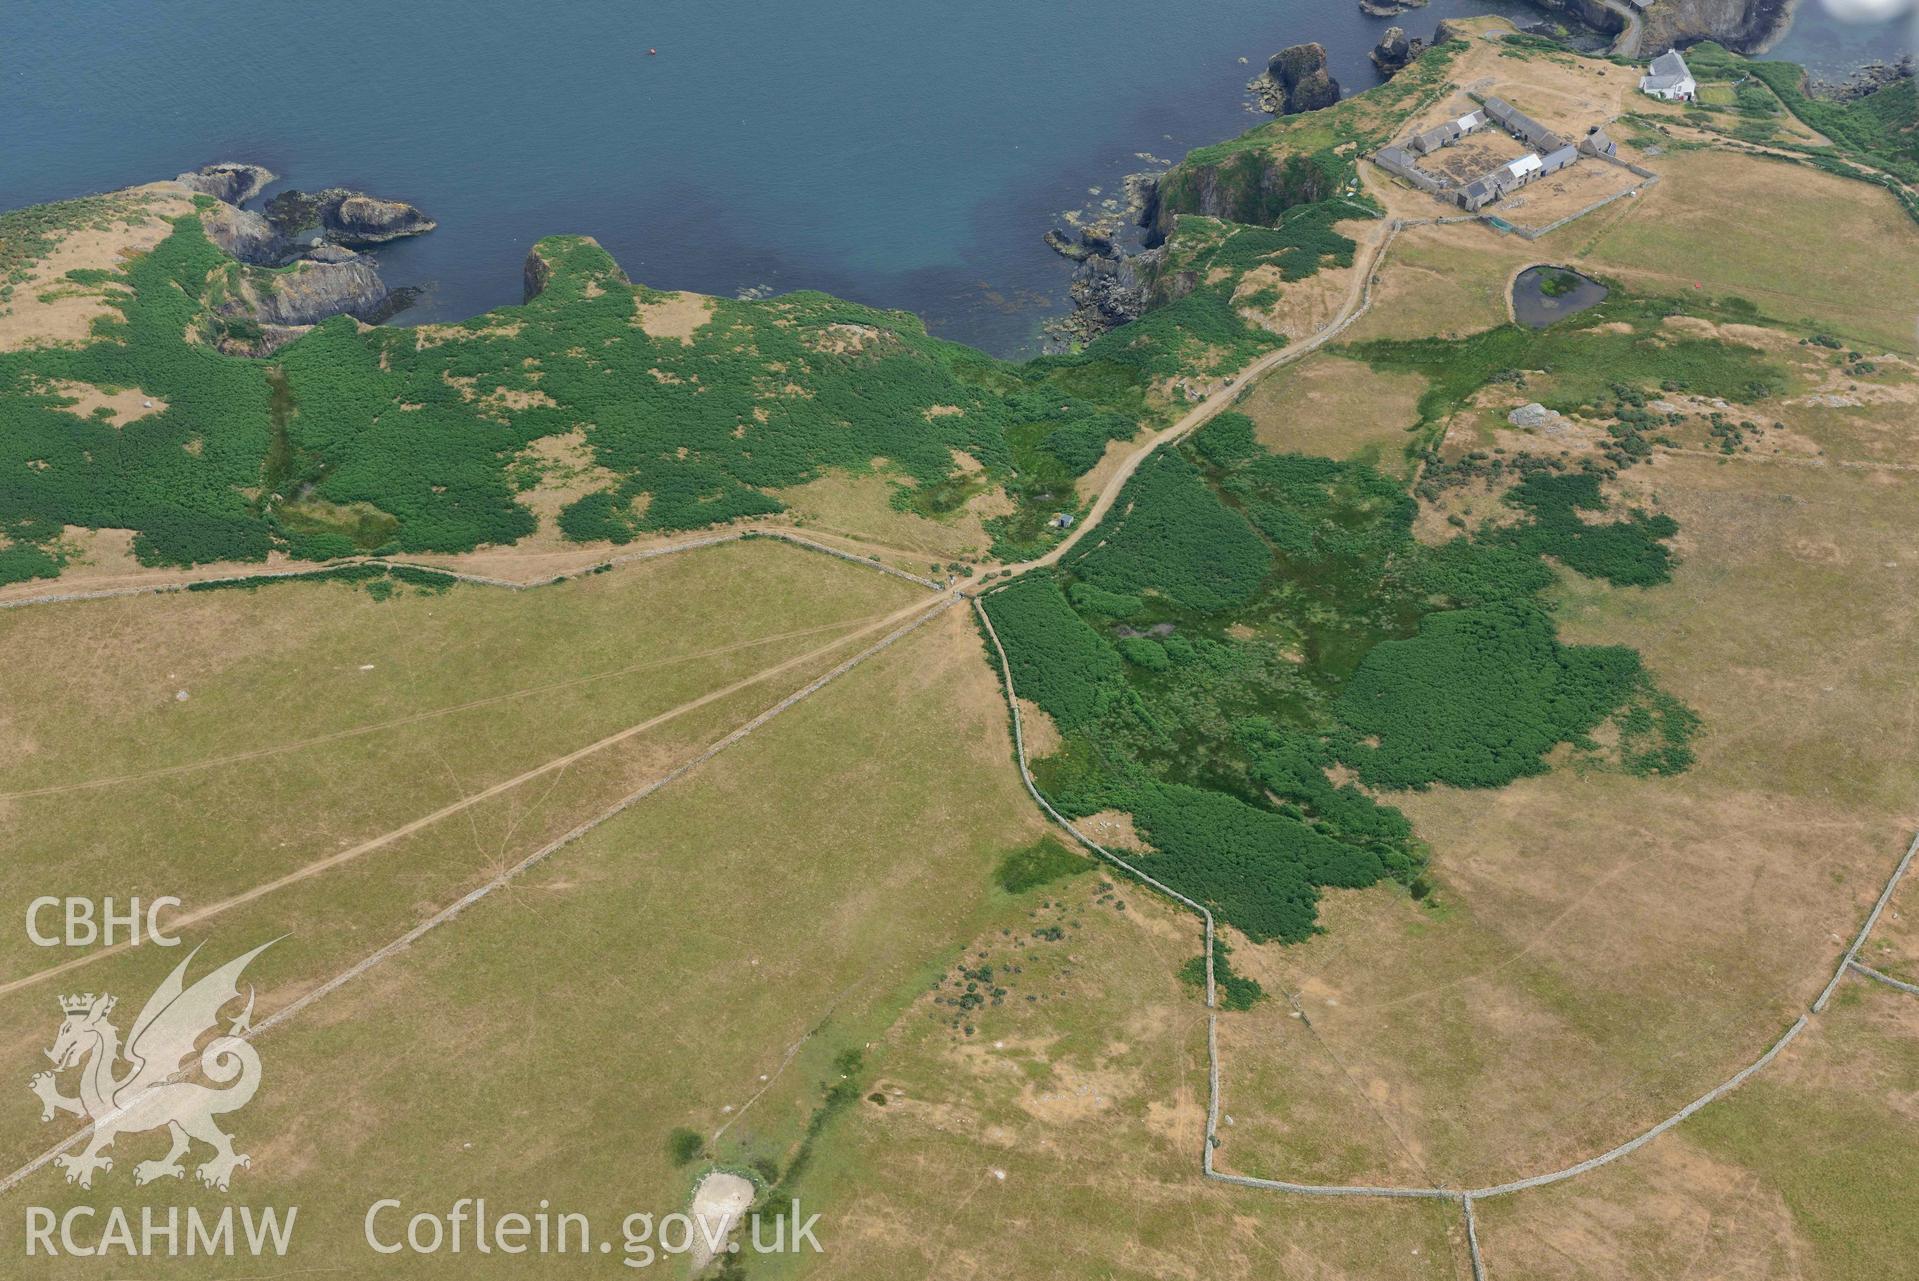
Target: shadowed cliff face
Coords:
[[1744, 26], [1253, 187]]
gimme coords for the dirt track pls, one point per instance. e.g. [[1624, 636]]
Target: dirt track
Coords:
[[356, 731], [1358, 300], [315, 868]]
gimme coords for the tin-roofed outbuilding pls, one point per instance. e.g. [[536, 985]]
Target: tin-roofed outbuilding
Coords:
[[1447, 132]]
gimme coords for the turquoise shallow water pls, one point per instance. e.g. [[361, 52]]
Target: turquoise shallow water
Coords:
[[898, 152]]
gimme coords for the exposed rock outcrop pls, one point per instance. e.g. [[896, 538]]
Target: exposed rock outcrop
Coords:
[[1450, 29], [230, 181], [1066, 246], [1593, 14], [364, 220], [308, 292], [1388, 8], [1107, 292], [1295, 80], [1866, 81], [1395, 50], [346, 217], [242, 233], [327, 251], [534, 273], [1744, 26], [1253, 187]]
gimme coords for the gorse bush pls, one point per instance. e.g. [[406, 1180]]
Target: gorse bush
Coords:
[[1257, 869], [1235, 991], [1627, 552], [1057, 661]]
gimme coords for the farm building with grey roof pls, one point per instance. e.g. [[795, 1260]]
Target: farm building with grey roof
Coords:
[[1522, 126]]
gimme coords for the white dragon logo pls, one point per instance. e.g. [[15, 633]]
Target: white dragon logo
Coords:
[[152, 1092]]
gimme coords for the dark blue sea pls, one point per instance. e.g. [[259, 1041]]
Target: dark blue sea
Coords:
[[902, 153]]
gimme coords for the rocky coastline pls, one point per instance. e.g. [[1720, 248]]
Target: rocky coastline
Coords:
[[1109, 283], [310, 280], [1868, 79]]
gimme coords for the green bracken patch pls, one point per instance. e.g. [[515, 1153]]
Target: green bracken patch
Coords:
[[362, 440], [1260, 635], [1040, 863]]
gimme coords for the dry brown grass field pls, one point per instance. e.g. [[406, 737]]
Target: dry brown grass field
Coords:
[[1061, 1138], [1799, 1175], [1742, 224], [1338, 408], [699, 961], [319, 720]]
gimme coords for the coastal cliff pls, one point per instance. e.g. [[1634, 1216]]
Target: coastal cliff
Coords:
[[1251, 186], [310, 291], [1744, 26], [1587, 13]]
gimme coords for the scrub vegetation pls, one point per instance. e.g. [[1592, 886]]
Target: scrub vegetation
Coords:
[[1259, 648], [1617, 350], [354, 439]]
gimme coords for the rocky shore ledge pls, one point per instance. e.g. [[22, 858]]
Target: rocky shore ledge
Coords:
[[350, 218], [1388, 8], [1109, 287], [311, 279], [1868, 79]]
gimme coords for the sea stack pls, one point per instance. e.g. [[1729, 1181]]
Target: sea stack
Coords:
[[1395, 50], [1299, 80]]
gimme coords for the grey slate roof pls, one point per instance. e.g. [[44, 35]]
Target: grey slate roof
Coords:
[[1669, 63], [1666, 72], [1521, 125], [1558, 158], [1400, 163]]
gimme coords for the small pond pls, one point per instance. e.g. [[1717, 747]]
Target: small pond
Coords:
[[1543, 294]]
